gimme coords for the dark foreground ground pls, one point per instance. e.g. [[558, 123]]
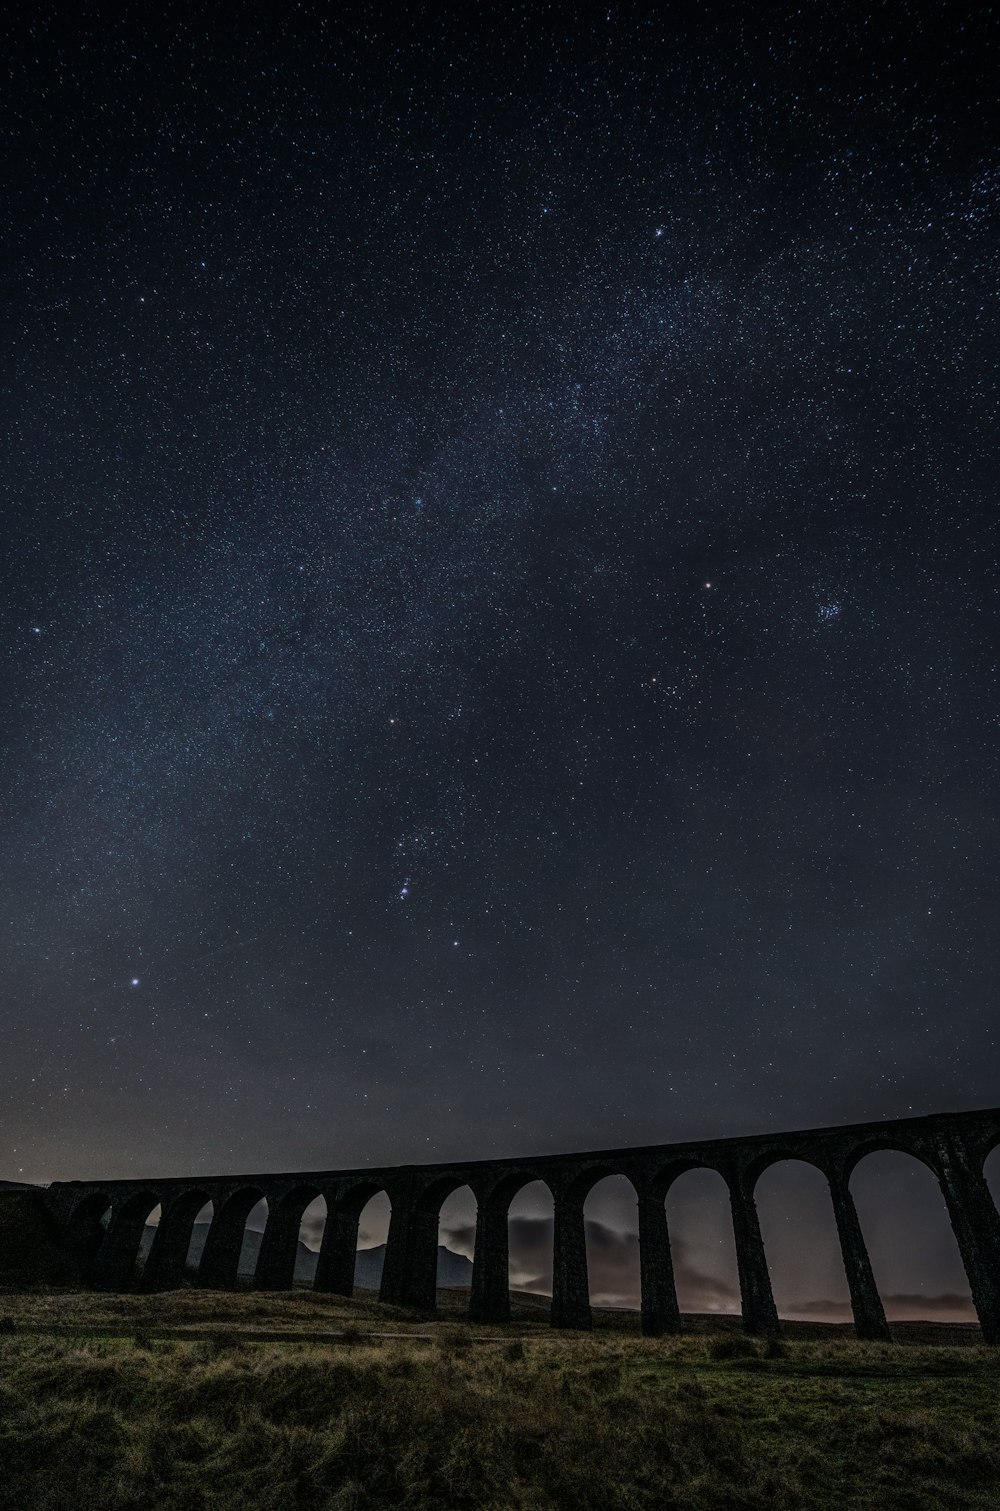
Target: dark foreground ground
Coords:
[[193, 1400]]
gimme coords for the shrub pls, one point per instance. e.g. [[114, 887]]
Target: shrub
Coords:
[[733, 1346]]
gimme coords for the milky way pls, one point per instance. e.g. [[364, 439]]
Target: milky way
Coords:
[[499, 600]]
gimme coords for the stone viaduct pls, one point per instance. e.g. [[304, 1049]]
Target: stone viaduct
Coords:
[[101, 1222]]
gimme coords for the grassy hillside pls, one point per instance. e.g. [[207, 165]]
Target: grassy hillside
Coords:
[[188, 1400]]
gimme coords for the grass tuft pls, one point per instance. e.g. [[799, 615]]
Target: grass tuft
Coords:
[[733, 1346]]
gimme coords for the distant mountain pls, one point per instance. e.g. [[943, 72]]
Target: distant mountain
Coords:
[[453, 1269]]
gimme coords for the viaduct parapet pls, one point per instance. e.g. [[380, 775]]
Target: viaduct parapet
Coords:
[[101, 1222]]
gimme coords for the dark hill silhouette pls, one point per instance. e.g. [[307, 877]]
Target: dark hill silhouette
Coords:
[[453, 1269]]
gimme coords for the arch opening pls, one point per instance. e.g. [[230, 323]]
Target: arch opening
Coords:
[[611, 1226], [168, 1239], [200, 1229], [250, 1245], [702, 1245], [309, 1241], [282, 1254], [229, 1256], [530, 1223], [456, 1249], [991, 1174], [803, 1252], [121, 1260], [150, 1229], [914, 1255], [373, 1232]]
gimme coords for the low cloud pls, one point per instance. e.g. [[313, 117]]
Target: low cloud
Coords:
[[460, 1237], [899, 1306], [700, 1290], [311, 1232], [613, 1265], [612, 1262], [613, 1268], [949, 1307]]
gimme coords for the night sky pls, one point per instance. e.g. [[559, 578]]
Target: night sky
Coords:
[[499, 589]]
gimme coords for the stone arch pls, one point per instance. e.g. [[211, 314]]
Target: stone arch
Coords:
[[166, 1264], [702, 1242], [373, 1208], [275, 1270], [580, 1186], [493, 1273], [200, 1228], [312, 1229], [914, 1256], [991, 1172], [150, 1228], [356, 1198], [457, 1220], [357, 1224], [761, 1163], [431, 1198], [570, 1287], [799, 1231], [253, 1238], [528, 1206], [515, 1223], [611, 1229], [668, 1174], [409, 1274], [116, 1264], [220, 1261], [505, 1192], [887, 1145], [85, 1231]]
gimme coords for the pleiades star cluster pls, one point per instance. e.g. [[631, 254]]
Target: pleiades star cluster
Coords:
[[499, 597]]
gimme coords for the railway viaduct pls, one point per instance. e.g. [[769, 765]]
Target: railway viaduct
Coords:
[[100, 1223]]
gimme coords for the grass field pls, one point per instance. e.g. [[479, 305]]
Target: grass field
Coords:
[[193, 1399]]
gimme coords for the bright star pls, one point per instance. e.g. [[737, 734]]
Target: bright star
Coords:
[[134, 981]]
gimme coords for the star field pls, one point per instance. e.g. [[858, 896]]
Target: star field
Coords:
[[499, 608]]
